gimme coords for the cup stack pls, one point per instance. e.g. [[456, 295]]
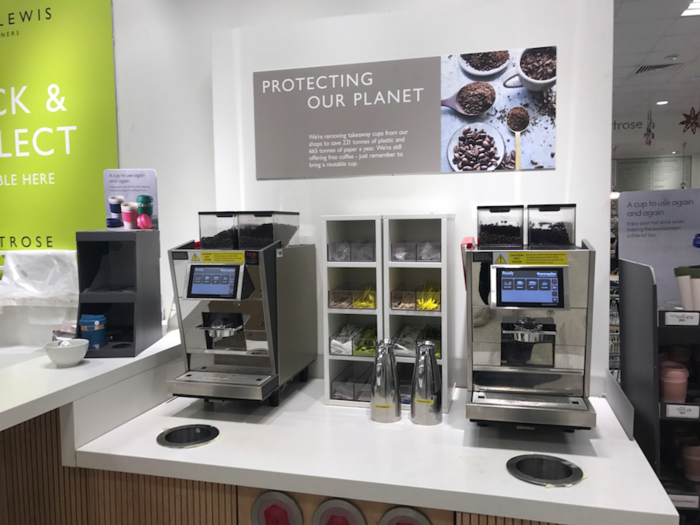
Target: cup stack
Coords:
[[691, 461], [115, 211], [674, 382], [130, 213]]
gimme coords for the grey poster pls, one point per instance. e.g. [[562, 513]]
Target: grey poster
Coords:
[[355, 119], [658, 228], [488, 98]]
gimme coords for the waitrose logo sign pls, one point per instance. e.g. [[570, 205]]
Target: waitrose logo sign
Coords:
[[11, 22]]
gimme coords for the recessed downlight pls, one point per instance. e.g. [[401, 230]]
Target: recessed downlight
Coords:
[[662, 102], [673, 152]]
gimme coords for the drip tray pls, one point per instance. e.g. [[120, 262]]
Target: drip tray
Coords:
[[530, 401], [187, 436], [548, 471]]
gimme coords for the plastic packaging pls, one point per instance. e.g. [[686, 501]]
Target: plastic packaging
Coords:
[[428, 251], [39, 278], [362, 252], [339, 252]]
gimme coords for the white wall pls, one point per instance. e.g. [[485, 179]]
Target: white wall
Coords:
[[164, 93], [582, 30]]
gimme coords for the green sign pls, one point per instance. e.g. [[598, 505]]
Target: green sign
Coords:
[[58, 129]]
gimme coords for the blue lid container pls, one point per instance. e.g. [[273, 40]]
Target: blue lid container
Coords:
[[92, 328], [696, 241]]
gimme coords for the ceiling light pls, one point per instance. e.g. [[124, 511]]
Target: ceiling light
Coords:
[[662, 102], [672, 57], [673, 152], [614, 195], [693, 9]]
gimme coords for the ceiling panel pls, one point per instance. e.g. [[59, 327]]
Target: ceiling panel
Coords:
[[650, 10], [686, 25], [678, 43], [626, 60], [642, 28], [638, 45], [624, 72]]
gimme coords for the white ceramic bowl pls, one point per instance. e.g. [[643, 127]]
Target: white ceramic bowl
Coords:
[[66, 356]]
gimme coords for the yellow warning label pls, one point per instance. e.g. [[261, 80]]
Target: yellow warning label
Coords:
[[424, 401], [500, 260], [539, 258], [384, 407], [195, 258], [223, 257]]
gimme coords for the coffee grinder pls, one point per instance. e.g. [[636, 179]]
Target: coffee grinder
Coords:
[[529, 323], [246, 303]]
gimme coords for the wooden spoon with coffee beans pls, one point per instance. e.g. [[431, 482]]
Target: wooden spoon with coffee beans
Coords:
[[518, 119]]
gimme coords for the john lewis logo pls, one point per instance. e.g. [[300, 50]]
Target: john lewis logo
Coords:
[[12, 22]]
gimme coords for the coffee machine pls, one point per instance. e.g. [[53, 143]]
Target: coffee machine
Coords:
[[530, 318], [246, 303]]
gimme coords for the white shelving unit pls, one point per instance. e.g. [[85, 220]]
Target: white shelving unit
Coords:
[[417, 229], [352, 229], [387, 275]]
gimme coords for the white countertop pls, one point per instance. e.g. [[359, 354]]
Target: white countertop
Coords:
[[306, 446], [31, 385]]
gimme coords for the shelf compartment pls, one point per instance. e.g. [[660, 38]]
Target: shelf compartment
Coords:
[[352, 383], [352, 252], [348, 297], [423, 252], [363, 252], [362, 343], [406, 339], [406, 298], [106, 265], [338, 252], [403, 252]]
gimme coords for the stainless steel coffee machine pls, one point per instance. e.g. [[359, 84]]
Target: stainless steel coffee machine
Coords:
[[530, 317], [246, 303]]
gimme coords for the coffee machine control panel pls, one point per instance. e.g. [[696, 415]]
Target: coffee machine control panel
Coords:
[[529, 287], [215, 281]]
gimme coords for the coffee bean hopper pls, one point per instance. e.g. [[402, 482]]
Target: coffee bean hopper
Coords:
[[246, 303], [530, 316]]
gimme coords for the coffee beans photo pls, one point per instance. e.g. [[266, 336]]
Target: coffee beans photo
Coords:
[[498, 110], [539, 63], [475, 150], [518, 119], [476, 97], [486, 61]]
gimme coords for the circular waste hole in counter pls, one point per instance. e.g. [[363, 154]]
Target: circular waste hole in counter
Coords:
[[544, 470], [187, 436]]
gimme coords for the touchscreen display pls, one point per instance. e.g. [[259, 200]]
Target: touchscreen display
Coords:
[[530, 287], [213, 281]]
